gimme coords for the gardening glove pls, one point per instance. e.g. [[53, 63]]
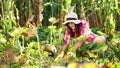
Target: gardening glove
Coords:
[[60, 56], [53, 48], [71, 54], [72, 51]]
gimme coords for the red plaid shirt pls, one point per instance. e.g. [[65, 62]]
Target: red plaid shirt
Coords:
[[85, 30]]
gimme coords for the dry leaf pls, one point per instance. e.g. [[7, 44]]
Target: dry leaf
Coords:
[[9, 55]]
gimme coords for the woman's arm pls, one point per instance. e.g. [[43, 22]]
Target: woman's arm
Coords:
[[66, 41], [78, 44], [64, 48]]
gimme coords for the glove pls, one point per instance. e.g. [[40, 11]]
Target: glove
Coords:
[[71, 54], [53, 48], [60, 56], [72, 51]]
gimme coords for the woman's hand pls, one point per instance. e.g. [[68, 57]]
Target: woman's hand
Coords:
[[60, 56], [72, 54]]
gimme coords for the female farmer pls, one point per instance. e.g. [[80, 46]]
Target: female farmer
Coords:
[[76, 29]]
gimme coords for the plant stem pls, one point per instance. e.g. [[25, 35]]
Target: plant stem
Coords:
[[40, 51]]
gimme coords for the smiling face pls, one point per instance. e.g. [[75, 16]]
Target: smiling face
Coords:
[[71, 25]]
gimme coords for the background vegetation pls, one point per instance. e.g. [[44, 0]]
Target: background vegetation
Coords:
[[32, 34]]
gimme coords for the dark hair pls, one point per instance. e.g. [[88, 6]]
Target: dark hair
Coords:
[[77, 32]]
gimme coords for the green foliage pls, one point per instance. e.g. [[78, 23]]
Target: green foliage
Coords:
[[54, 10], [29, 47], [7, 18], [51, 35], [106, 17], [40, 58]]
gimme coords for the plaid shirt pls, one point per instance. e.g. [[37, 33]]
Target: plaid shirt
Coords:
[[85, 30]]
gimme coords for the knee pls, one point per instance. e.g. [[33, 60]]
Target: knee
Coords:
[[100, 40]]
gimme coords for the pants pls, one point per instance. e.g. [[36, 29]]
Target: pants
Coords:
[[100, 40]]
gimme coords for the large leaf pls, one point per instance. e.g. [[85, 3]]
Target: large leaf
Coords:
[[117, 65], [91, 54], [103, 48]]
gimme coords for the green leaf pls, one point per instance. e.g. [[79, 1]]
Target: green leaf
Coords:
[[32, 52], [103, 48], [118, 65], [85, 48], [3, 40], [91, 54], [30, 66], [82, 38], [46, 53], [102, 34]]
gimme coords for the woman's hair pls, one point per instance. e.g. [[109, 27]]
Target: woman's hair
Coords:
[[77, 32]]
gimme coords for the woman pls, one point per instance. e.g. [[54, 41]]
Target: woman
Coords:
[[76, 29]]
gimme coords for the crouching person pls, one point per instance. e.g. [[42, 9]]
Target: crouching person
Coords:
[[78, 29]]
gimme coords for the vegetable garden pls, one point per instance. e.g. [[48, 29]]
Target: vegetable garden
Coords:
[[32, 33]]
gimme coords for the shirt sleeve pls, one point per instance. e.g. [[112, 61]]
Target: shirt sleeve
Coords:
[[67, 38], [85, 30]]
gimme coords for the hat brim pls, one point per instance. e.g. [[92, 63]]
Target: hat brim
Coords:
[[74, 21]]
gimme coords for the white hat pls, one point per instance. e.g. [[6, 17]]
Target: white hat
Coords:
[[72, 17]]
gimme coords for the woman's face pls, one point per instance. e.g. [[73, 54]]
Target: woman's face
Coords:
[[71, 25]]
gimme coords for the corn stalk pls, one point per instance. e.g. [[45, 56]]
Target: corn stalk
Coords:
[[98, 12], [7, 14]]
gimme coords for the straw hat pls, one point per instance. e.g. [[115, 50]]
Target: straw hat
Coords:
[[72, 17]]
